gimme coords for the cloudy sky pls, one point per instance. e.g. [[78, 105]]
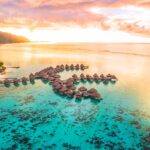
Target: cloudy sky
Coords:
[[77, 20]]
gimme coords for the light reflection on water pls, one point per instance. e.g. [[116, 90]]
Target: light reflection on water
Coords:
[[132, 69]]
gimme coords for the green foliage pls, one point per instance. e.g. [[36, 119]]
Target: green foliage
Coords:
[[1, 63], [2, 68]]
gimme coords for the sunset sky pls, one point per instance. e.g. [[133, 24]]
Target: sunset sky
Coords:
[[77, 20]]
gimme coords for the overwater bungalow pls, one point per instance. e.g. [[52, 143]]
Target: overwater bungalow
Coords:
[[82, 88], [69, 93], [24, 79], [67, 67], [72, 67], [89, 78], [82, 77], [82, 67], [78, 94], [75, 78], [31, 77], [51, 79], [86, 94], [72, 87], [92, 90], [16, 81], [77, 67], [63, 90], [69, 83], [93, 93], [6, 81]]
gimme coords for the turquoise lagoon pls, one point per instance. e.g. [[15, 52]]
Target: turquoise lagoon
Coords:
[[32, 116]]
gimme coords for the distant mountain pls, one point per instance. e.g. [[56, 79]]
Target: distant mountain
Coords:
[[11, 38]]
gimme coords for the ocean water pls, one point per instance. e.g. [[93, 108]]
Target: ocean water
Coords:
[[32, 116]]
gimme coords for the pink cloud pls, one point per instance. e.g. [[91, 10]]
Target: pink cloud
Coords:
[[48, 16], [84, 3], [49, 13], [133, 28]]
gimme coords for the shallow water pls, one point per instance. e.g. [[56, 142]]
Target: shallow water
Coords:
[[32, 116]]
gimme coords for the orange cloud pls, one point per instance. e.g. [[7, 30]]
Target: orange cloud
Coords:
[[53, 2], [53, 13], [119, 3], [84, 3], [48, 17], [133, 28]]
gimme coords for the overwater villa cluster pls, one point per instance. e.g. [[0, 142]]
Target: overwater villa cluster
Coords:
[[67, 87]]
